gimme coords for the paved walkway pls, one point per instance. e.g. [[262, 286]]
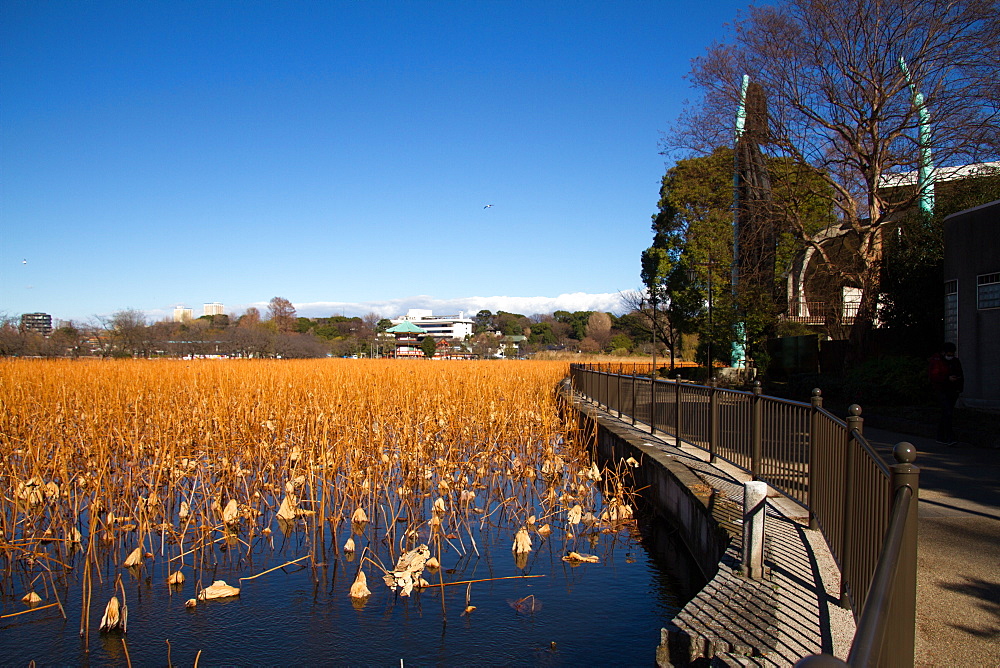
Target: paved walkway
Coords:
[[958, 562], [790, 614]]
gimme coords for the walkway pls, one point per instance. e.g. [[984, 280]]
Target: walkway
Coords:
[[792, 613], [796, 606], [958, 564]]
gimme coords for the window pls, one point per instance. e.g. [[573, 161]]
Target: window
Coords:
[[951, 311], [988, 291]]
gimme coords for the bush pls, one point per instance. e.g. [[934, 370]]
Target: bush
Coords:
[[888, 381], [800, 386]]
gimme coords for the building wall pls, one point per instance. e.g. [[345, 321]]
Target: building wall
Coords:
[[971, 257], [439, 326], [40, 323]]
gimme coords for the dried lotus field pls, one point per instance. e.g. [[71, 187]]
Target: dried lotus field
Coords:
[[314, 512]]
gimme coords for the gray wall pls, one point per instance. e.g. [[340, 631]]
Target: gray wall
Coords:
[[972, 248]]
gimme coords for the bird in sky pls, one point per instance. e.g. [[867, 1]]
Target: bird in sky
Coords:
[[487, 206], [24, 261]]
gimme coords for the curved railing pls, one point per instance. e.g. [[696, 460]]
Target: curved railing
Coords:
[[821, 462]]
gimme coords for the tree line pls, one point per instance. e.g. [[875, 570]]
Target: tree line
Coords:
[[280, 332]]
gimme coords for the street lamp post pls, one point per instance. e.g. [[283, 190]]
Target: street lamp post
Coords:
[[652, 301], [693, 275]]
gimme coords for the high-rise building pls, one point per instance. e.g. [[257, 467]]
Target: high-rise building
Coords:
[[182, 314], [215, 308], [40, 323]]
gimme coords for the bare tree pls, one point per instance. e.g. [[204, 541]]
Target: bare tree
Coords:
[[599, 328], [282, 314], [249, 318], [128, 333], [842, 78], [656, 321]]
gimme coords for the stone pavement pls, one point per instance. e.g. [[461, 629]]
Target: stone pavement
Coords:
[[958, 551], [791, 614]]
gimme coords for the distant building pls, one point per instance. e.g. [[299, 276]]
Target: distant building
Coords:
[[407, 339], [182, 314], [40, 323], [215, 308], [439, 326]]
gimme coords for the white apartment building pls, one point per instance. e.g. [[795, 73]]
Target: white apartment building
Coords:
[[439, 326], [215, 308], [182, 314]]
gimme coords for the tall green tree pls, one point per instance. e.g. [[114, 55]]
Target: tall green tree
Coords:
[[692, 250], [428, 344]]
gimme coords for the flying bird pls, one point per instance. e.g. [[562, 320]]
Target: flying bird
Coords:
[[24, 261], [487, 206]]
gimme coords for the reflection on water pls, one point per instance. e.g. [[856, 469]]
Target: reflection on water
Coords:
[[589, 614]]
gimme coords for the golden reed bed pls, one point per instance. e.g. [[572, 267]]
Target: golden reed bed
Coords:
[[106, 462]]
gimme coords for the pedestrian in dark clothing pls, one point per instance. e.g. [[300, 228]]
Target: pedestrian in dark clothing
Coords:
[[948, 381]]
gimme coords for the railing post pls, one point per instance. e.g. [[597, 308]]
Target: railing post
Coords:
[[652, 402], [607, 389], [754, 511], [632, 384], [713, 418], [854, 423], [618, 392], [677, 409], [903, 609], [817, 403], [755, 431]]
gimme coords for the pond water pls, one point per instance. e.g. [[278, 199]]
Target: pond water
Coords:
[[227, 471], [606, 613]]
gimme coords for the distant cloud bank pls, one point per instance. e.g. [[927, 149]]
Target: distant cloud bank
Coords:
[[577, 301], [391, 308]]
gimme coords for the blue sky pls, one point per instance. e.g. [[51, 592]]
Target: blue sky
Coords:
[[337, 154]]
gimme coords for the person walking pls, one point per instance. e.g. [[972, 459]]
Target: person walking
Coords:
[[948, 381]]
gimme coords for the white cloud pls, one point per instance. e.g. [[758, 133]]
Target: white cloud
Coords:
[[392, 308], [577, 301]]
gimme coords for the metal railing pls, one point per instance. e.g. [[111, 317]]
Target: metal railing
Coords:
[[821, 462], [818, 313]]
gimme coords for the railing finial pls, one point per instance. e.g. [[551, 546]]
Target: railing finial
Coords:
[[904, 453]]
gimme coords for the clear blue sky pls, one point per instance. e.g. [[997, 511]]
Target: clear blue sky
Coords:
[[338, 154]]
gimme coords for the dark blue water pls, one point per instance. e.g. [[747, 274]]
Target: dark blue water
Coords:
[[591, 614]]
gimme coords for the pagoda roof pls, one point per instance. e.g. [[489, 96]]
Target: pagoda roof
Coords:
[[406, 327]]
